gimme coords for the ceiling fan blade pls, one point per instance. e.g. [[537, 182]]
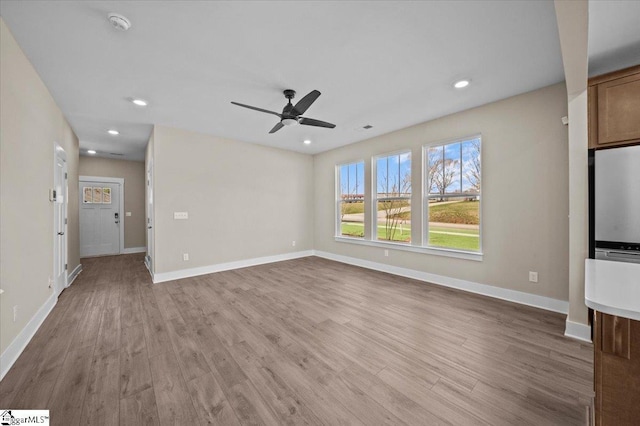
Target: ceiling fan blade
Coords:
[[257, 109], [277, 127], [317, 123], [305, 102]]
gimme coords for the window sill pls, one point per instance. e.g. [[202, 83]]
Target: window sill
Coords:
[[416, 249]]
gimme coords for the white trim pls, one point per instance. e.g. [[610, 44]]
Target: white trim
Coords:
[[130, 250], [528, 299], [578, 331], [100, 179], [74, 274], [147, 263], [119, 181], [13, 351], [202, 270], [416, 249]]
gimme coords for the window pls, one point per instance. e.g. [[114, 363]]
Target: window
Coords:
[[392, 214], [452, 195], [350, 204]]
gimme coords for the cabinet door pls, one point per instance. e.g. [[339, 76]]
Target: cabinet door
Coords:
[[617, 370], [619, 110]]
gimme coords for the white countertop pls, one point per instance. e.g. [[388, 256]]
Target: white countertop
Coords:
[[613, 287]]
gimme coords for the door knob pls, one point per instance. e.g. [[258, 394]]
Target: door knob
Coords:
[[149, 227], [60, 233]]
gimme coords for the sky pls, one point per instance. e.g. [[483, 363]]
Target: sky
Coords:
[[391, 169]]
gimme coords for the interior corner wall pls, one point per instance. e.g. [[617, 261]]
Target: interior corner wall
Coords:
[[133, 173], [31, 125], [244, 201], [524, 193], [578, 207]]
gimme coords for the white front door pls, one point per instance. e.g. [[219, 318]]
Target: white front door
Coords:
[[60, 222], [100, 219]]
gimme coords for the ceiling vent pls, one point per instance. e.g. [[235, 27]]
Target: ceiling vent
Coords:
[[115, 153], [119, 22], [367, 127]]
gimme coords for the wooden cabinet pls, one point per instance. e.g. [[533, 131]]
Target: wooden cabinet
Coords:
[[614, 108], [617, 370]]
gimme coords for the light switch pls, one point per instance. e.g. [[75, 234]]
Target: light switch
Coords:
[[181, 215], [128, 214]]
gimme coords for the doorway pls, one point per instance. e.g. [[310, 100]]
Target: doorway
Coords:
[[60, 201], [101, 217], [149, 257]]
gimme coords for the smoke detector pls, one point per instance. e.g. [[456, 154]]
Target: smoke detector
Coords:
[[119, 22]]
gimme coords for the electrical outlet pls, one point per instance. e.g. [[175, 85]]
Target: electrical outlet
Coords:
[[15, 313], [386, 253], [293, 243], [185, 256], [533, 277]]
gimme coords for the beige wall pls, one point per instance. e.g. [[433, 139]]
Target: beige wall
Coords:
[[134, 189], [244, 201], [525, 193], [31, 124]]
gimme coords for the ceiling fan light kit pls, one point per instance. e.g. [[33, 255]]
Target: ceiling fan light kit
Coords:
[[291, 114]]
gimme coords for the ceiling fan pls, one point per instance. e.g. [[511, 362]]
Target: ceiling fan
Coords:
[[293, 114]]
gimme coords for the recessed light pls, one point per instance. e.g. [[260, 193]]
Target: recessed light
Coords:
[[113, 132], [461, 84], [307, 142], [140, 102], [91, 151]]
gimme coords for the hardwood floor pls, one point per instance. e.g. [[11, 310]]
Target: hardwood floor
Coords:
[[306, 341]]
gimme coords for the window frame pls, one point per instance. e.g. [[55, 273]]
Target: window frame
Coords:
[[420, 244], [425, 195], [339, 201]]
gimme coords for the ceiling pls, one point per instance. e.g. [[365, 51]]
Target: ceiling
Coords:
[[614, 35], [385, 64]]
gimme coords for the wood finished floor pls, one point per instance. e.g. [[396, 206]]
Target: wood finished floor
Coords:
[[306, 341]]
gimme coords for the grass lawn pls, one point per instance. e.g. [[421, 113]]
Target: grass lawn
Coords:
[[438, 236], [460, 242], [350, 229], [466, 212]]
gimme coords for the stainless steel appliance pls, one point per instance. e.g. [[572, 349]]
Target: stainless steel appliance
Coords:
[[617, 204]]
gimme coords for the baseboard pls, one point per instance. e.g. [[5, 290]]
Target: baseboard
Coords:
[[131, 250], [193, 272], [578, 331], [74, 274], [520, 297], [13, 351]]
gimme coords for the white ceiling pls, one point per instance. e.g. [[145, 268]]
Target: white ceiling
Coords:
[[388, 64], [614, 35]]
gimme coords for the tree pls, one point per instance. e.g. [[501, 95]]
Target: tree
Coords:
[[393, 206], [434, 161], [446, 171], [473, 167]]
